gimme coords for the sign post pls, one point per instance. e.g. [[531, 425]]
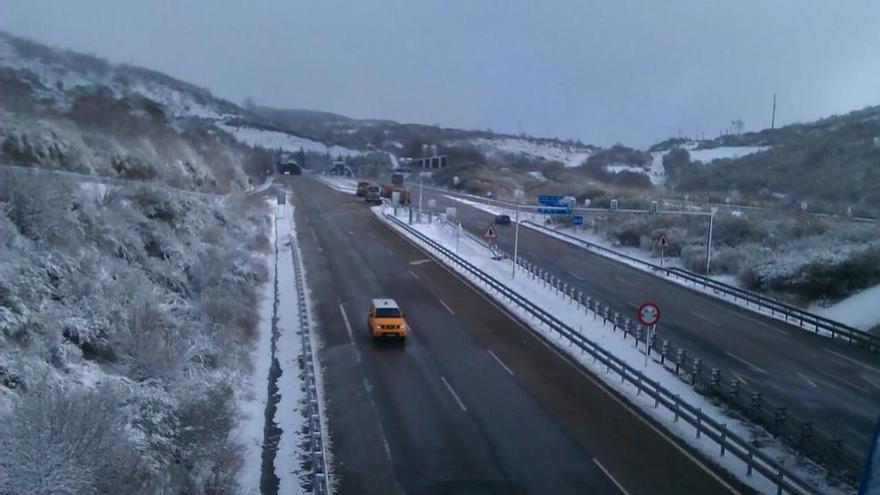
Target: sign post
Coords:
[[664, 243], [648, 315]]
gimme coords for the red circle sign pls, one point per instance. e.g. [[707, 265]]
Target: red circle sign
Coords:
[[649, 313]]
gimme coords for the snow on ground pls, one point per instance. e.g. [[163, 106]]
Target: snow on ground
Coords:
[[568, 154], [859, 310], [616, 168], [593, 329], [249, 432], [288, 348], [281, 140], [341, 184], [656, 172], [707, 156], [538, 175]]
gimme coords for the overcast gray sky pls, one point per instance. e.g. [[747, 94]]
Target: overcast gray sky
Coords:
[[602, 71]]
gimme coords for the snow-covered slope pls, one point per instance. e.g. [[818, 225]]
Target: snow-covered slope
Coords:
[[570, 155], [284, 141], [859, 310], [711, 154]]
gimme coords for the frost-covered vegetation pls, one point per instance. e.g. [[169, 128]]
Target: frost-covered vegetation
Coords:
[[794, 256], [126, 314]]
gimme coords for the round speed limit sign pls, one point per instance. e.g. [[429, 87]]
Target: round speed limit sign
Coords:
[[649, 313]]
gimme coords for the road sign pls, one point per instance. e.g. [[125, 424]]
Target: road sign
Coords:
[[663, 241], [554, 210], [577, 220], [649, 313], [549, 199], [490, 233], [613, 206], [653, 207]]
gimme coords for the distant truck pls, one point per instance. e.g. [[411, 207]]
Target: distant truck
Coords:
[[362, 188], [389, 189], [373, 195], [397, 179]]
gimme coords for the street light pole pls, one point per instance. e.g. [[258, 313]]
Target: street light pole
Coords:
[[420, 198], [709, 243], [516, 194]]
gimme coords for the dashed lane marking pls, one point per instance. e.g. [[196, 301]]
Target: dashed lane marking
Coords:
[[616, 483], [746, 362], [451, 391], [508, 370], [446, 306]]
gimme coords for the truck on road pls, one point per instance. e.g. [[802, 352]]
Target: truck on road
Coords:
[[373, 195]]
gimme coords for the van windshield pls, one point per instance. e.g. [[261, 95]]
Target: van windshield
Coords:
[[387, 313]]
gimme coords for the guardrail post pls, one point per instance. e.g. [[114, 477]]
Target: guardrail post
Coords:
[[676, 408], [749, 463], [587, 304], [697, 367], [580, 298], [616, 321], [755, 406], [605, 315], [734, 390], [779, 417], [699, 421], [714, 378], [723, 441], [664, 350], [679, 359]]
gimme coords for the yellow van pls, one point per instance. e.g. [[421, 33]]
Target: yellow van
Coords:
[[386, 319]]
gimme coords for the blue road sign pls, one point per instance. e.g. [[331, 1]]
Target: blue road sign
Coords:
[[549, 199], [554, 210], [577, 220]]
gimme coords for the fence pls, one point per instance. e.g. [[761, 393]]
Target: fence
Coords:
[[728, 442], [791, 314]]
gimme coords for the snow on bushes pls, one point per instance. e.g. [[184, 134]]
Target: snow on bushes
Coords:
[[133, 307]]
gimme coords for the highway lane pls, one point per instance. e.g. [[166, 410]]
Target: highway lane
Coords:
[[834, 384], [443, 414]]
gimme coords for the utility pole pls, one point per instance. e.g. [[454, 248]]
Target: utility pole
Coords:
[[773, 118]]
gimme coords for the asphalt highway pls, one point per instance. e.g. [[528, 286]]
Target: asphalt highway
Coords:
[[473, 402], [833, 384]]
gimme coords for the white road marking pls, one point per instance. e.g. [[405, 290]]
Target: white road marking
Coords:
[[569, 360], [746, 362], [706, 318], [854, 361], [508, 370], [872, 382], [807, 379], [419, 262], [844, 381], [446, 306], [357, 353], [315, 237], [414, 274], [618, 485], [451, 391]]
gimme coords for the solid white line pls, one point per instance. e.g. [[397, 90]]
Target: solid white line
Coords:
[[807, 379], [457, 398], [508, 370], [419, 262], [446, 306], [854, 361], [347, 324], [618, 485], [413, 274], [704, 317], [570, 361], [746, 362]]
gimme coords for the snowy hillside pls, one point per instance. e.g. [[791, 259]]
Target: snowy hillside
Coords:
[[570, 155], [724, 152], [284, 141]]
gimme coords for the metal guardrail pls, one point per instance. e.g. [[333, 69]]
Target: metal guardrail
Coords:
[[791, 314], [729, 442], [317, 463]]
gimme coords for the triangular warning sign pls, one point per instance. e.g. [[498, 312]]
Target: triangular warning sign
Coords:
[[663, 241], [490, 233]]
